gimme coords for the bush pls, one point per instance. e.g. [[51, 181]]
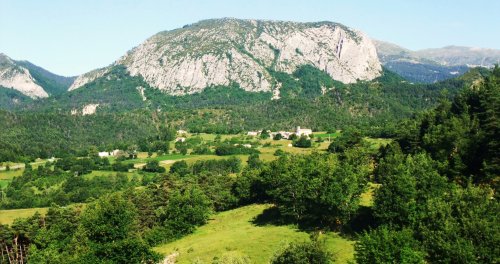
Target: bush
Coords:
[[226, 149], [153, 166], [304, 252], [180, 167], [386, 246], [302, 142], [279, 152]]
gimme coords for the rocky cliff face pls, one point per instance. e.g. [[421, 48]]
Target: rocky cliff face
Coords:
[[19, 78], [222, 51]]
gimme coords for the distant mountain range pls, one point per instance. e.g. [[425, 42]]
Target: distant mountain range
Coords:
[[223, 52], [432, 65]]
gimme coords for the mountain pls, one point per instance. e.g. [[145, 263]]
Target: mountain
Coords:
[[19, 78], [225, 51], [52, 83], [433, 65], [30, 80]]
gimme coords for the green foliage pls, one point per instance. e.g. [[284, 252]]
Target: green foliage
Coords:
[[180, 167], [462, 134], [316, 188], [43, 135], [153, 166], [346, 140], [265, 134], [51, 243], [52, 83], [254, 161], [304, 253], [278, 136], [43, 186], [108, 233], [228, 149], [186, 209], [230, 165], [387, 246], [406, 184], [461, 226], [10, 98], [302, 142]]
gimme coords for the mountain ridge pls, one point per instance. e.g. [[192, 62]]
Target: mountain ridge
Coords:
[[222, 51], [31, 80]]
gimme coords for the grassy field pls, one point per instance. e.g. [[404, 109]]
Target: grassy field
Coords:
[[130, 175], [234, 233], [366, 198], [376, 143], [8, 216], [4, 183], [8, 175], [326, 135]]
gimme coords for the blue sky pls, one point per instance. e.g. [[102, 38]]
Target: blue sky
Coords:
[[70, 37]]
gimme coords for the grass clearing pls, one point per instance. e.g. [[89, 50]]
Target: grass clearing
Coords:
[[326, 135], [7, 217], [366, 198], [376, 143], [234, 233], [4, 183], [145, 159], [9, 175]]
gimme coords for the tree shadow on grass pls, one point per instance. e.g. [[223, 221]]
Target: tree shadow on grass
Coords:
[[271, 216], [361, 222]]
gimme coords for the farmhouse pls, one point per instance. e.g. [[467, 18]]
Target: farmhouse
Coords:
[[108, 154], [103, 154], [303, 131], [180, 139], [285, 134], [181, 132], [253, 133]]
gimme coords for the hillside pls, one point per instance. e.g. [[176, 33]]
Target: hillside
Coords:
[[30, 80], [235, 233]]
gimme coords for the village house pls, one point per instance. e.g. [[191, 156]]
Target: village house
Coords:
[[181, 132], [180, 139], [285, 134], [303, 132], [253, 133], [113, 153]]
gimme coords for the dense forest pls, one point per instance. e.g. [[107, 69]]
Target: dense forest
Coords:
[[46, 128]]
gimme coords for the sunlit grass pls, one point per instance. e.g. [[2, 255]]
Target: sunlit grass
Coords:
[[234, 233]]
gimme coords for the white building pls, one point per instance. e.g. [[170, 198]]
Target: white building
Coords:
[[303, 132], [103, 154], [108, 154], [181, 132], [253, 133], [180, 139]]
